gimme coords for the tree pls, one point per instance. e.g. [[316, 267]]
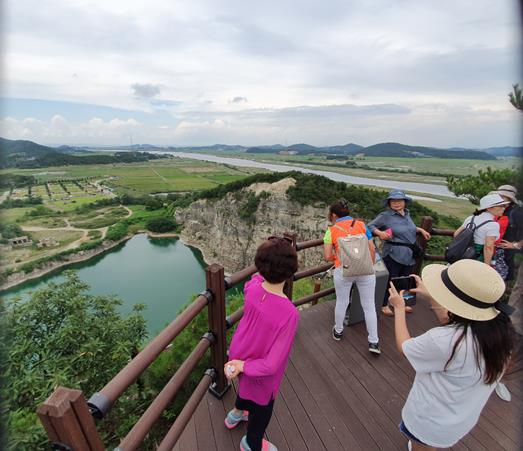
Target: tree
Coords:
[[161, 225], [474, 187], [516, 98], [64, 336]]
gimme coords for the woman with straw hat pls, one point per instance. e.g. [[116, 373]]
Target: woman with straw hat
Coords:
[[457, 365]]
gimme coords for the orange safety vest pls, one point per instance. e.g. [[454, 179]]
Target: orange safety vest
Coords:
[[357, 229]]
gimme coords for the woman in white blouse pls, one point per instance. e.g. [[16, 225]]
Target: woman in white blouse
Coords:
[[458, 364], [486, 230]]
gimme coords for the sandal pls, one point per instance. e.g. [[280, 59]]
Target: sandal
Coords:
[[387, 311]]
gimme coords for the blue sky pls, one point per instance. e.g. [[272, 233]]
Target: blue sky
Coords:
[[236, 72]]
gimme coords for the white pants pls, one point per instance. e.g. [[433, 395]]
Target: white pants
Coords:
[[366, 287]]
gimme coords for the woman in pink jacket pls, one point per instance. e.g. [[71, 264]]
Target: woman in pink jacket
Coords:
[[262, 343]]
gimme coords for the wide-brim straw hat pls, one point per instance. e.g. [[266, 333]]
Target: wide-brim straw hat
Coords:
[[468, 288]]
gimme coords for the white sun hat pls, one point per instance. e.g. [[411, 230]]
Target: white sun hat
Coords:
[[509, 191], [468, 288], [491, 200]]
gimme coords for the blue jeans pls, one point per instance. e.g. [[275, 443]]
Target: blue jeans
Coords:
[[404, 429]]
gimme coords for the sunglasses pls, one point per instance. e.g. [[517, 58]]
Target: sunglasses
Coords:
[[277, 238]]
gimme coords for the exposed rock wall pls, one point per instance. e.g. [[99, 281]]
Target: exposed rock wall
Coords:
[[217, 228]]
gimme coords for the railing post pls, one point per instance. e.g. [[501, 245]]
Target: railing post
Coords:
[[426, 224], [214, 275], [317, 286], [287, 289], [68, 422]]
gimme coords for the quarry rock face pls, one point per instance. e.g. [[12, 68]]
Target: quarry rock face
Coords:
[[229, 230]]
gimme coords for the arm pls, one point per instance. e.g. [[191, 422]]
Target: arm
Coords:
[[372, 250], [488, 249], [457, 231], [328, 252], [400, 322], [375, 225], [268, 365], [423, 232], [421, 293]]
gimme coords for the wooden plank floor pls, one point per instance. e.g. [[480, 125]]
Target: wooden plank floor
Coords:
[[338, 396]]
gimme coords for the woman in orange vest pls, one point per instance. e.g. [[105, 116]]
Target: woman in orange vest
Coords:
[[344, 225]]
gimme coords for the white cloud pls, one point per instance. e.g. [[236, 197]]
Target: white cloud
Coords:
[[213, 55]]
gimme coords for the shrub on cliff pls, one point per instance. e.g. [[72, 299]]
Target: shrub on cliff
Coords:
[[161, 225]]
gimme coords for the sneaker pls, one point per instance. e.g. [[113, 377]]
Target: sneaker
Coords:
[[502, 392], [374, 348], [232, 420], [266, 445], [336, 335], [409, 445]]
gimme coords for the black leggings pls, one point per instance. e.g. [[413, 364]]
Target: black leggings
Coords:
[[259, 418], [395, 270]]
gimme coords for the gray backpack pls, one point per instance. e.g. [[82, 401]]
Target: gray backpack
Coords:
[[354, 254]]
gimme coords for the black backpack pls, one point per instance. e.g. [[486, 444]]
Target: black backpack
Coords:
[[462, 246]]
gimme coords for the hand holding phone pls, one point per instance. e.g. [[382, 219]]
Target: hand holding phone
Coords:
[[406, 284]]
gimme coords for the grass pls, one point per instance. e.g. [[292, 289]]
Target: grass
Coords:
[[103, 218], [50, 222]]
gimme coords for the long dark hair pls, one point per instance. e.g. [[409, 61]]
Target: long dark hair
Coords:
[[493, 342]]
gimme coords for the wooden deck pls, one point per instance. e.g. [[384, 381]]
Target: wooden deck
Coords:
[[337, 396]]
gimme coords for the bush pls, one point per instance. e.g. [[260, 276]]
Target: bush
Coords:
[[161, 225], [64, 336]]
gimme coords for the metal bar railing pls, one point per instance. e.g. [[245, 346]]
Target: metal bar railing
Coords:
[[442, 232], [314, 296], [308, 244], [239, 276], [187, 412], [100, 403], [143, 426], [312, 271]]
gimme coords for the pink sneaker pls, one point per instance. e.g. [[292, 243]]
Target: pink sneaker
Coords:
[[266, 445], [232, 420]]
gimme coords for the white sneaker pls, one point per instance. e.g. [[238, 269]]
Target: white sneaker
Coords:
[[502, 391]]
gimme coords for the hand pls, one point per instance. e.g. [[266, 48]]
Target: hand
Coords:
[[395, 298], [382, 235], [420, 289], [507, 245], [424, 233], [233, 368]]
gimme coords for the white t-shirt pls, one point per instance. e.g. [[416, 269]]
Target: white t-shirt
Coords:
[[490, 229], [443, 406]]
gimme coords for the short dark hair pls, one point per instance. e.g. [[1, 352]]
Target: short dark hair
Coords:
[[339, 208], [276, 260]]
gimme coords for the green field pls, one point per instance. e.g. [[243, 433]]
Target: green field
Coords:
[[157, 176]]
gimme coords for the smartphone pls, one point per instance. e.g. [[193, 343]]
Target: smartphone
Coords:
[[405, 283]]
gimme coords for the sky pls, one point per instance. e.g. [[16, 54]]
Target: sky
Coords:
[[172, 72]]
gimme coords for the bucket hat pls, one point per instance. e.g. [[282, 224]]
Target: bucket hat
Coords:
[[508, 191], [397, 195], [468, 288], [491, 200]]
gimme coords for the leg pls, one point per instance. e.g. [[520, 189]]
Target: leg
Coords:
[[342, 285], [259, 418], [419, 447], [367, 287]]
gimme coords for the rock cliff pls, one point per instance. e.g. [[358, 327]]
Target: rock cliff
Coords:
[[229, 230]]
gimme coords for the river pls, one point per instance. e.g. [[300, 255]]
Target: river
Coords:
[[162, 273], [406, 186]]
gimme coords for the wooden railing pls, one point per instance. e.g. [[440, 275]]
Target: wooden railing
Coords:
[[69, 419]]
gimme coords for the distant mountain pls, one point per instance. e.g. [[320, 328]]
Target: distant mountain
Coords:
[[405, 151], [347, 149], [506, 151], [303, 148], [23, 148]]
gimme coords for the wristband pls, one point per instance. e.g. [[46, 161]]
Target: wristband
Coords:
[[516, 245]]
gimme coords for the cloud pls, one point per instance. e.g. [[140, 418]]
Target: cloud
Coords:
[[145, 90], [238, 100]]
